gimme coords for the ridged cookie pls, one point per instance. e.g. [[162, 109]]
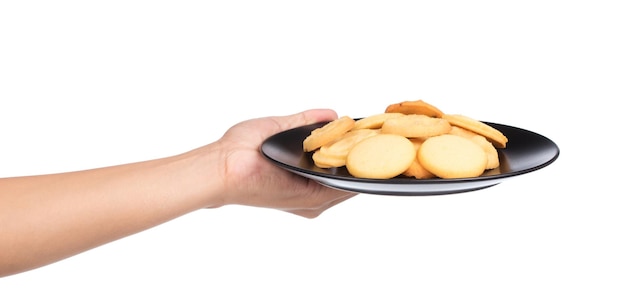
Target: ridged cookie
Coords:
[[327, 133], [498, 139], [414, 107]]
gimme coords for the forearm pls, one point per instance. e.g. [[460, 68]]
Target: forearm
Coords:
[[50, 217]]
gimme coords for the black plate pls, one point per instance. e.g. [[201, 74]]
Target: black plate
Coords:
[[526, 151]]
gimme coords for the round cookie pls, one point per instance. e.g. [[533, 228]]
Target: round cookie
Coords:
[[375, 121], [416, 126], [327, 133], [452, 156], [414, 107], [382, 156], [325, 161], [498, 139]]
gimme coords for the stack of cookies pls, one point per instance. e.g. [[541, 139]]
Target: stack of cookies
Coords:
[[411, 138]]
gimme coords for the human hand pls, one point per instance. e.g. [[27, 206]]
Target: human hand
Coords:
[[250, 179]]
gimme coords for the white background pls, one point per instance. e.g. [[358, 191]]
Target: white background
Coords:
[[93, 83]]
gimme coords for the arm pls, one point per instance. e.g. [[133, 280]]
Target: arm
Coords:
[[46, 218]]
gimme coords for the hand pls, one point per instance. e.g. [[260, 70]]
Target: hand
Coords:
[[250, 179]]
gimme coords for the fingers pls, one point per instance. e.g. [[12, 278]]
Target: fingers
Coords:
[[305, 118], [317, 211]]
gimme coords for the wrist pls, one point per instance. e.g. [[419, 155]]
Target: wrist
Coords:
[[202, 176]]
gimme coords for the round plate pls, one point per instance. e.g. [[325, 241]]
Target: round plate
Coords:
[[526, 151]]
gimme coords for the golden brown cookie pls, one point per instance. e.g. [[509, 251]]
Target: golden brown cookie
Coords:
[[325, 161], [327, 133], [416, 126], [375, 121], [414, 107], [498, 139], [382, 156], [452, 156]]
